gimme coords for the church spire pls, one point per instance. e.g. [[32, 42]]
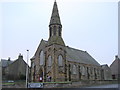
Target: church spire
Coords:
[[55, 27], [55, 19]]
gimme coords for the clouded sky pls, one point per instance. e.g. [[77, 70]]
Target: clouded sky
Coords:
[[89, 26]]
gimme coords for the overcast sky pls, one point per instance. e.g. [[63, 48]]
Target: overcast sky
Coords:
[[88, 26]]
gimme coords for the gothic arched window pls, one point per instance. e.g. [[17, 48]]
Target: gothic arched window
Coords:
[[74, 69], [83, 70], [49, 61], [54, 30], [60, 60], [41, 58], [59, 31], [50, 31], [33, 64]]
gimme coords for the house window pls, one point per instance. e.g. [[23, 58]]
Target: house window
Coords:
[[41, 58], [49, 61], [60, 60], [74, 69]]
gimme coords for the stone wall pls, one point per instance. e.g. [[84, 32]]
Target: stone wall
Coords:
[[82, 83]]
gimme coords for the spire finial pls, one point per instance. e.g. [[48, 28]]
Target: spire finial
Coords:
[[55, 0]]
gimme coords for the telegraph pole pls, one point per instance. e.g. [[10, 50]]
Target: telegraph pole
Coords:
[[27, 69]]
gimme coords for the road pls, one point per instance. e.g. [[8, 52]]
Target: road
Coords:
[[106, 86]]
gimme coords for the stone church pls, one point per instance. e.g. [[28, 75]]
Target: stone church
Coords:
[[62, 63]]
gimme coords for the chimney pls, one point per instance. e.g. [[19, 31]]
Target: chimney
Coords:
[[8, 58], [20, 56], [116, 57]]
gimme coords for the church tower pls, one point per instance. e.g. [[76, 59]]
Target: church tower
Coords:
[[55, 49], [55, 27]]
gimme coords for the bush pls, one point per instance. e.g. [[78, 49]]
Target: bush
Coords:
[[22, 77]]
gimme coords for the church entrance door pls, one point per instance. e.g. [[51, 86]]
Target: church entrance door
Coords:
[[41, 75]]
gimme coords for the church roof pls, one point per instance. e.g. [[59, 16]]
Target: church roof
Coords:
[[75, 55], [42, 43], [55, 19], [80, 56]]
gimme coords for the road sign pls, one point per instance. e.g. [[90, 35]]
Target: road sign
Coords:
[[35, 85]]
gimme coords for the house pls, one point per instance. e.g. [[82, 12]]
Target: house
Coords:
[[115, 68], [16, 70], [106, 72], [4, 64]]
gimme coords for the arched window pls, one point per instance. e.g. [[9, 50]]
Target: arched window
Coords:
[[54, 30], [50, 31], [83, 70], [59, 31], [88, 75], [60, 60], [33, 65], [41, 58], [79, 67], [74, 69], [95, 73], [49, 61]]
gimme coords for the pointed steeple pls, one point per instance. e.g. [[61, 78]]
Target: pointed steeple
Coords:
[[55, 27], [55, 19]]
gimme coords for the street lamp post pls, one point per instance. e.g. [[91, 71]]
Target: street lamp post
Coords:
[[27, 69]]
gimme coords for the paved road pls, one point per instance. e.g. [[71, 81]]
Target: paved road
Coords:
[[106, 86]]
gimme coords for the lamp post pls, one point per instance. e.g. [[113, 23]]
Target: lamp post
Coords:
[[27, 69]]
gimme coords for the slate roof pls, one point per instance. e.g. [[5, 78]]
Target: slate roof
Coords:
[[80, 56], [42, 42], [104, 66], [33, 57], [45, 41], [5, 62]]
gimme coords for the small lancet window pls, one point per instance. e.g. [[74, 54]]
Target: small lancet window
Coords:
[[74, 69], [49, 61], [33, 65], [50, 31], [60, 60], [59, 31], [83, 70], [41, 58], [54, 30]]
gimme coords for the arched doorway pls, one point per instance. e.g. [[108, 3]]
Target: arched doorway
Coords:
[[41, 75]]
